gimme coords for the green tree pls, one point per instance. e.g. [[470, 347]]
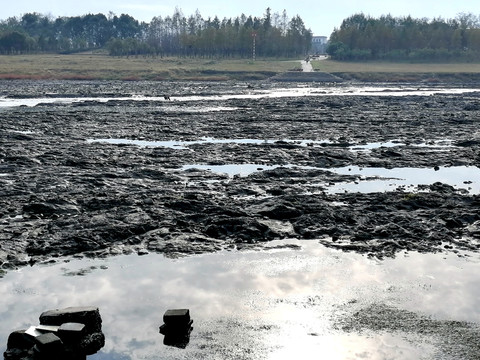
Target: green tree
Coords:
[[361, 37], [15, 42]]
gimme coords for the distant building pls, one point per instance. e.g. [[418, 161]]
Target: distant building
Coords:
[[319, 45]]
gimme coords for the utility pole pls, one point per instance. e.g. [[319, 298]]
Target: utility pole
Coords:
[[254, 35]]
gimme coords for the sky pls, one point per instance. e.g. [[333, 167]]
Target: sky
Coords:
[[320, 16]]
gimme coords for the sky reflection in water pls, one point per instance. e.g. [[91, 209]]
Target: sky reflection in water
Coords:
[[460, 177], [372, 179], [172, 144], [252, 305], [250, 94]]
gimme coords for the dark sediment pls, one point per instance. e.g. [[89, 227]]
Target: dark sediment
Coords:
[[61, 195]]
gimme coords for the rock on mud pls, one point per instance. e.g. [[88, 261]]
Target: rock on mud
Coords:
[[70, 333]]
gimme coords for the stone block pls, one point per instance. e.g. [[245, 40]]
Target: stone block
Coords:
[[163, 329], [16, 354], [177, 327], [89, 316], [47, 328], [33, 332], [69, 332], [177, 340], [49, 343], [176, 318], [92, 343], [20, 340]]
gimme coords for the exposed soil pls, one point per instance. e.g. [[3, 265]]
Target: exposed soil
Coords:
[[62, 195]]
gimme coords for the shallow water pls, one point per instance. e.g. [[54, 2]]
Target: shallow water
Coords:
[[204, 140], [273, 304], [252, 305], [301, 142], [273, 92], [389, 144], [460, 177], [232, 169], [371, 179]]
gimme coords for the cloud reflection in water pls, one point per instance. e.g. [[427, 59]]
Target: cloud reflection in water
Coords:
[[250, 305]]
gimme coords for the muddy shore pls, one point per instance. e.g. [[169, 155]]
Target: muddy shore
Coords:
[[65, 193]]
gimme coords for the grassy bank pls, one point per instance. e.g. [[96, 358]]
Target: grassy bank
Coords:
[[89, 66], [100, 66], [400, 72]]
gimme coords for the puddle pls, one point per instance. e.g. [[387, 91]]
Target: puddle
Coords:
[[251, 305], [250, 94], [26, 132], [371, 179], [203, 140], [375, 145], [351, 347], [179, 144], [30, 102], [198, 109], [7, 103], [145, 143], [302, 142], [232, 169], [460, 177], [390, 144]]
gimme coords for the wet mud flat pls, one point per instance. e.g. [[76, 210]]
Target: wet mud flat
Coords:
[[102, 171], [120, 169]]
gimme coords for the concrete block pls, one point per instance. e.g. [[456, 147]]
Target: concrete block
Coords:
[[20, 340], [89, 316], [49, 343], [177, 317], [71, 331], [177, 327], [47, 328]]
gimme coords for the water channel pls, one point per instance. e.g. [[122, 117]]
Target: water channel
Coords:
[[275, 92]]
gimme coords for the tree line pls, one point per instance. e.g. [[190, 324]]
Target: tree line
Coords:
[[362, 37], [276, 35]]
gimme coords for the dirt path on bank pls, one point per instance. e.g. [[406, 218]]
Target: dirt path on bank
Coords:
[[307, 66]]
